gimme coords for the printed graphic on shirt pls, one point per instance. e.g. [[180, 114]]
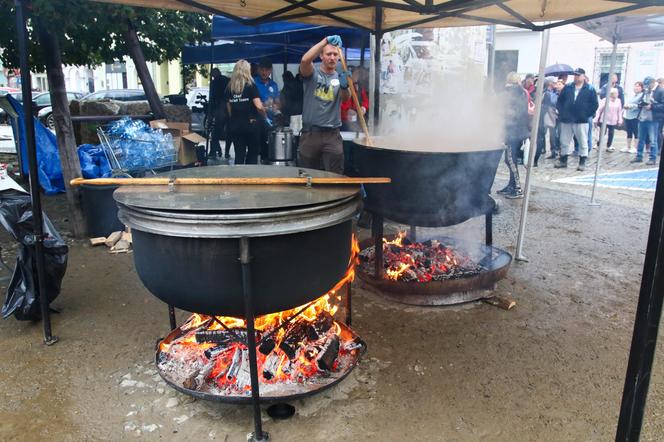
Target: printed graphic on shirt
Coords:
[[238, 98], [325, 92]]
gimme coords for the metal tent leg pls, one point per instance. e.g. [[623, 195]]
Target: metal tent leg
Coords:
[[646, 325], [245, 259], [37, 218]]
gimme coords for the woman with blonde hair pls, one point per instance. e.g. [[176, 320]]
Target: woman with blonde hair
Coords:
[[244, 106]]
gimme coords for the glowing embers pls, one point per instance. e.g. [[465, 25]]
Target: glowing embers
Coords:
[[299, 352], [426, 261]]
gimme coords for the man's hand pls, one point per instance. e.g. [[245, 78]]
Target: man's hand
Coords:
[[334, 40], [343, 79]]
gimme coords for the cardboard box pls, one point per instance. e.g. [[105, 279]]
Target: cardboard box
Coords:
[[183, 140]]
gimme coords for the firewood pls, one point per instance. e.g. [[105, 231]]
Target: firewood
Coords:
[[222, 337], [267, 346], [97, 241], [271, 365], [328, 354], [113, 238], [121, 246], [320, 326], [293, 338], [126, 236], [500, 302]]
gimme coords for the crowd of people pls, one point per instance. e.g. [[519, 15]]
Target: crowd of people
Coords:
[[569, 112], [248, 105]]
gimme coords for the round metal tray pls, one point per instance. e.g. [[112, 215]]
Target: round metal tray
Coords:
[[446, 292]]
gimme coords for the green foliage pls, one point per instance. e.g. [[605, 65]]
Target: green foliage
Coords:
[[91, 33]]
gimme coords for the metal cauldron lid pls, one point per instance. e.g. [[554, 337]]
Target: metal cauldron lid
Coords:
[[233, 198]]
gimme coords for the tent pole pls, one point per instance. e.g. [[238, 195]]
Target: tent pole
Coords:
[[533, 145], [378, 36], [646, 325], [600, 148], [364, 47], [38, 237]]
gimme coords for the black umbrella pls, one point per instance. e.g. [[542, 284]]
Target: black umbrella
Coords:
[[558, 69]]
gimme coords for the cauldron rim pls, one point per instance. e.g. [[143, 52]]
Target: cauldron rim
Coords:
[[360, 143]]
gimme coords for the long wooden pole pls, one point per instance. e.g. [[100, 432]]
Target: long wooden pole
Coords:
[[353, 94], [226, 181]]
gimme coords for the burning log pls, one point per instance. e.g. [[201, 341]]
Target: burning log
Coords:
[[328, 354], [320, 326], [271, 365], [293, 338], [267, 346]]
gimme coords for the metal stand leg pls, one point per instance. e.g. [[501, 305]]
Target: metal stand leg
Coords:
[[413, 233], [488, 229], [171, 317], [258, 435], [349, 309], [38, 237], [377, 230]]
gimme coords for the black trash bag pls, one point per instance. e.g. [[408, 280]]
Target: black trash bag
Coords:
[[22, 298]]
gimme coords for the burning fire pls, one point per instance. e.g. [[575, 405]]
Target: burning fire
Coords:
[[419, 261], [293, 345]]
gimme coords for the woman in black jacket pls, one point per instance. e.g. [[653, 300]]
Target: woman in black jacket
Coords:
[[516, 130]]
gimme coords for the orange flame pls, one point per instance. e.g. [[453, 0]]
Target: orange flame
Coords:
[[286, 369]]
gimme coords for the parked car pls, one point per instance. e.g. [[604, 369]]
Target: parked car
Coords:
[[45, 110], [116, 94], [197, 100], [45, 115]]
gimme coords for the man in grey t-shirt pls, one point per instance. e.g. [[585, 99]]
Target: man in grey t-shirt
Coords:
[[321, 145]]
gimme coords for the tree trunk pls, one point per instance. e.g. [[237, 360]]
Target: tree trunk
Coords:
[[64, 130], [136, 54]]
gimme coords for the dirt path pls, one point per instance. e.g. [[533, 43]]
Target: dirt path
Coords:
[[550, 369]]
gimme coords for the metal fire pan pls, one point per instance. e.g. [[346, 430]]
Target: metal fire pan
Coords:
[[234, 198], [445, 292], [292, 393]]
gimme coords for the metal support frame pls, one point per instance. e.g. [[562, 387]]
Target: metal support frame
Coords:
[[412, 233], [37, 217], [349, 304], [646, 325], [488, 229], [602, 135], [518, 255], [171, 317], [247, 291], [377, 233]]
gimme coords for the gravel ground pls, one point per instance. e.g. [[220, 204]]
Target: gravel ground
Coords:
[[550, 369]]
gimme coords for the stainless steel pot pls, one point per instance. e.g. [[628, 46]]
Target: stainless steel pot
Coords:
[[281, 146]]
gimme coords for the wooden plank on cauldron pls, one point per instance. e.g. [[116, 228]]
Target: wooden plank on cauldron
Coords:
[[328, 354]]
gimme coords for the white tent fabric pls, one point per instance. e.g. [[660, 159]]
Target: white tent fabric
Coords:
[[386, 15]]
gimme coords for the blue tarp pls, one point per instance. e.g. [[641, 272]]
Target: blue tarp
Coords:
[[285, 33], [232, 52], [48, 159]]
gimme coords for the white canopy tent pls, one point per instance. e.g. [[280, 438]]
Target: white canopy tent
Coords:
[[379, 16]]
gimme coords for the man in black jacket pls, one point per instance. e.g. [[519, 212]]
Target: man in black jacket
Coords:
[[576, 104], [217, 110]]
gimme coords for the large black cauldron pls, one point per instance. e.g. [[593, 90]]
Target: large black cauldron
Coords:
[[186, 241], [429, 188]]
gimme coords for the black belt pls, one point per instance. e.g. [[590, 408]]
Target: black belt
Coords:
[[320, 129]]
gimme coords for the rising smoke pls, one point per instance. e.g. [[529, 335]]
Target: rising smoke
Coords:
[[459, 113]]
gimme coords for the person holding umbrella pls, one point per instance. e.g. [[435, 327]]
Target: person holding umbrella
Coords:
[[324, 91]]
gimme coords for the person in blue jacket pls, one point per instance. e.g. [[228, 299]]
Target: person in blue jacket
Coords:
[[268, 91], [576, 104]]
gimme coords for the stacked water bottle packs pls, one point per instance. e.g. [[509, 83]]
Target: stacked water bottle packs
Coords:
[[135, 146]]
